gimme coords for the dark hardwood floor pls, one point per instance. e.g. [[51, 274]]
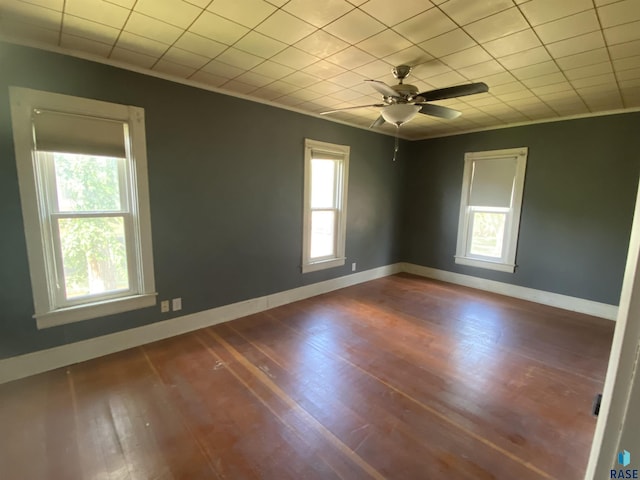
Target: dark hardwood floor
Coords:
[[401, 378]]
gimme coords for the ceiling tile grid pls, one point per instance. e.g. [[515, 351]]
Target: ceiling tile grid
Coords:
[[542, 59]]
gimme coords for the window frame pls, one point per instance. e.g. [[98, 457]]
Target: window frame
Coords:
[[463, 256], [38, 209], [341, 180]]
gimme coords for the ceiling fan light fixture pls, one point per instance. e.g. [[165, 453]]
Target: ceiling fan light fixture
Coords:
[[399, 113]]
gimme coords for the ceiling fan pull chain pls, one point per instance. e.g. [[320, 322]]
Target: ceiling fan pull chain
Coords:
[[395, 150]]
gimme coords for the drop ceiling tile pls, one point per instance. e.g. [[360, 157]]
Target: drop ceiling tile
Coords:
[[56, 5], [519, 95], [628, 74], [217, 28], [351, 58], [499, 79], [239, 59], [273, 70], [290, 100], [552, 88], [318, 14], [622, 33], [581, 43], [346, 94], [465, 58], [514, 43], [537, 70], [505, 88], [326, 88], [324, 69], [568, 27], [175, 12], [222, 69], [480, 70], [136, 43], [255, 79], [307, 95], [623, 50], [98, 11], [173, 69], [607, 78], [430, 69], [81, 27], [321, 44], [17, 29], [348, 79], [409, 56], [294, 58], [238, 87], [354, 27], [301, 79], [589, 71], [151, 28], [464, 12], [377, 70], [384, 43], [543, 11], [625, 84], [208, 79], [31, 14], [391, 13], [446, 79], [415, 31], [627, 63], [245, 12], [257, 44], [498, 25], [185, 58], [526, 58], [583, 59], [569, 108], [448, 43], [543, 80], [85, 45], [130, 3], [618, 13], [133, 58], [200, 45], [285, 27]]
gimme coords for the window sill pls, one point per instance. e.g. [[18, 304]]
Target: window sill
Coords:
[[321, 265], [63, 316], [489, 265]]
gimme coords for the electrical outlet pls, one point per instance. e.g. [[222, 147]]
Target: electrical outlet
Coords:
[[177, 304], [164, 306], [353, 267]]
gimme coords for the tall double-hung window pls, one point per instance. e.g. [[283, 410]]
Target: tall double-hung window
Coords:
[[490, 207], [83, 186], [326, 171]]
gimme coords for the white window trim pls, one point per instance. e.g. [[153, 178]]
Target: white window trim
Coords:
[[512, 227], [309, 265], [23, 101]]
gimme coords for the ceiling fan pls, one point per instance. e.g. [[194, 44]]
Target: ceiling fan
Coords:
[[402, 102]]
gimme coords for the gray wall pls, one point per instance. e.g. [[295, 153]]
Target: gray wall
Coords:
[[226, 186], [577, 210]]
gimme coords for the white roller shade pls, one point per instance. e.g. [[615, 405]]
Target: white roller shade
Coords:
[[321, 155], [69, 133], [492, 182]]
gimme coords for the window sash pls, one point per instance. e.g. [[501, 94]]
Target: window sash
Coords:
[[471, 211]]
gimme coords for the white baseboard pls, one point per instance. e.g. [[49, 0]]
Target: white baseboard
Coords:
[[589, 307], [44, 360]]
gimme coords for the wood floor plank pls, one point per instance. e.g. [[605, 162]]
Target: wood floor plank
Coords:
[[397, 378]]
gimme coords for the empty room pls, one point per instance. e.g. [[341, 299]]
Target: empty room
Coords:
[[342, 239]]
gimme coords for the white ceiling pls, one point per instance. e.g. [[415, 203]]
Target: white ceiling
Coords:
[[542, 59]]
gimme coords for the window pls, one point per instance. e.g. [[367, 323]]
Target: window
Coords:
[[490, 208], [83, 186], [326, 168]]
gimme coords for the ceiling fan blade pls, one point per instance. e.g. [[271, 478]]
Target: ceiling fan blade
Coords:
[[453, 92], [439, 111], [379, 121], [383, 88], [352, 108]]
